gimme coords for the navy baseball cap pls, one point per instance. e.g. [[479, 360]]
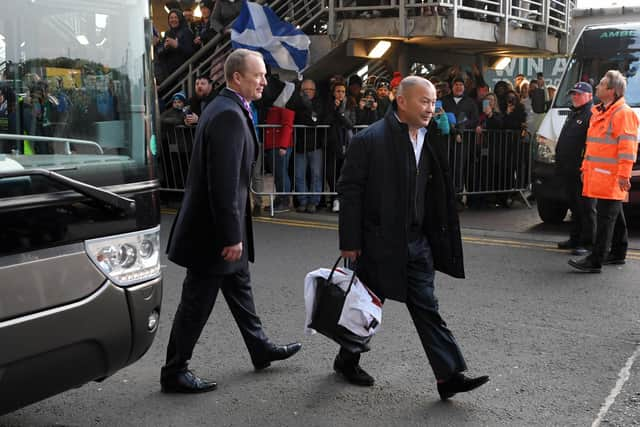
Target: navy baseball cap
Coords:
[[581, 87]]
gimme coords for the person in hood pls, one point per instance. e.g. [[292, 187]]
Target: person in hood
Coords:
[[204, 28], [177, 46]]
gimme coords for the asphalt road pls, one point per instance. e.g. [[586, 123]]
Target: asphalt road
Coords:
[[561, 347]]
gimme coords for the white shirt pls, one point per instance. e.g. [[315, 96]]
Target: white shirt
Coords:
[[418, 143]]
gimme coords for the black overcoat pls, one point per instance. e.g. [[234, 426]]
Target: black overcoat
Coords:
[[214, 211], [374, 203]]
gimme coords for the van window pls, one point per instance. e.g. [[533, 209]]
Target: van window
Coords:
[[598, 51]]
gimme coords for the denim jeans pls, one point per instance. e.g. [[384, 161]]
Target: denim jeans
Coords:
[[309, 163], [280, 167]]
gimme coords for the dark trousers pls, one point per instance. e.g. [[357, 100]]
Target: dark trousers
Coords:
[[583, 212], [199, 292], [611, 233], [437, 340]]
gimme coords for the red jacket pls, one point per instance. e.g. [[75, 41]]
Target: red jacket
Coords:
[[279, 137]]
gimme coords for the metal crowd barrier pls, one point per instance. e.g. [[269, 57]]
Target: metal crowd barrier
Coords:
[[487, 162], [491, 162]]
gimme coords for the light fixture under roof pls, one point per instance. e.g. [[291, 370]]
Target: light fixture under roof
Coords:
[[362, 71], [380, 49], [501, 63], [82, 39]]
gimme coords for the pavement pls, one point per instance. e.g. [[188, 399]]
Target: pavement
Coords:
[[561, 347], [517, 221]]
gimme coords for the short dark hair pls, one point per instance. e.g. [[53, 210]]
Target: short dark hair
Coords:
[[204, 76]]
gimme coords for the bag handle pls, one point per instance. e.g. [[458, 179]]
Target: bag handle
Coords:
[[335, 266]]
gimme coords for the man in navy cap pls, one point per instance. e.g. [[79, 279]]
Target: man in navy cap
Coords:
[[569, 151]]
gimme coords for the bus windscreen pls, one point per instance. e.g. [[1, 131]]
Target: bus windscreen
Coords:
[[600, 50]]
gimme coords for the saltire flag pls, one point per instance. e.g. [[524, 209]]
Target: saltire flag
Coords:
[[282, 44]]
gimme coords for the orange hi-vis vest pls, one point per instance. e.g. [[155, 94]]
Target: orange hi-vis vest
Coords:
[[612, 146]]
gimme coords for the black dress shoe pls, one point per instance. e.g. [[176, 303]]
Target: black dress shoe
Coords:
[[459, 384], [186, 382], [612, 259], [585, 264], [352, 372], [277, 352]]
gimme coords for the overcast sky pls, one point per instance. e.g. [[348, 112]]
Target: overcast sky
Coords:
[[585, 4]]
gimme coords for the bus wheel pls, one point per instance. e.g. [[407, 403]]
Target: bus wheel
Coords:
[[551, 211]]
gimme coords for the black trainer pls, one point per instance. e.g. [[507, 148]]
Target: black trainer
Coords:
[[580, 251], [352, 372], [459, 384], [568, 244]]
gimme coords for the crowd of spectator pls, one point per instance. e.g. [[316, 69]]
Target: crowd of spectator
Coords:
[[51, 108], [307, 160], [187, 33]]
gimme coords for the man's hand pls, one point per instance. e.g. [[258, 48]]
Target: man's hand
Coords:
[[232, 253], [191, 119], [282, 151], [351, 255], [624, 183]]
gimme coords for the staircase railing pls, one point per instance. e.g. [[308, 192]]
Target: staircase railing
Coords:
[[209, 60]]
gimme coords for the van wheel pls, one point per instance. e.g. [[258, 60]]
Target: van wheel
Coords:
[[551, 211]]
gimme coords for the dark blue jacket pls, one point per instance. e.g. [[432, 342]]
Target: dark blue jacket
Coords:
[[572, 139], [171, 58], [215, 209]]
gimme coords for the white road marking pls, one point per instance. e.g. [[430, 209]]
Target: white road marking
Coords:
[[623, 377]]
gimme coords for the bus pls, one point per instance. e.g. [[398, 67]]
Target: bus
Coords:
[[80, 279], [598, 48]]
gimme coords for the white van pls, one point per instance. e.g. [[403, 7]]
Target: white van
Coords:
[[598, 49]]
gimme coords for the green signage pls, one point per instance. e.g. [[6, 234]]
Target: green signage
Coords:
[[617, 34]]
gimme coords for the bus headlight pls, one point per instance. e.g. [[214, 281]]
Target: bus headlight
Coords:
[[127, 259], [546, 149]]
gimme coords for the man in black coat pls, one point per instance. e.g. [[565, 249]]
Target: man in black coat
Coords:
[[569, 154], [212, 234], [398, 221]]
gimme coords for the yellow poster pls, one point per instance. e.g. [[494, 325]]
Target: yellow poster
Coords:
[[71, 78]]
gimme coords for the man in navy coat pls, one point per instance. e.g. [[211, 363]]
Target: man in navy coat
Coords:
[[212, 235], [399, 222]]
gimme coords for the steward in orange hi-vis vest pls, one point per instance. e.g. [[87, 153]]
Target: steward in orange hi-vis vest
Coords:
[[612, 145]]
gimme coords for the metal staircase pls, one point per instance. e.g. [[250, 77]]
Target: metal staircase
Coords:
[[307, 15]]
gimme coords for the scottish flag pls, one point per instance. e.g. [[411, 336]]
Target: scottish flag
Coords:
[[259, 28]]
